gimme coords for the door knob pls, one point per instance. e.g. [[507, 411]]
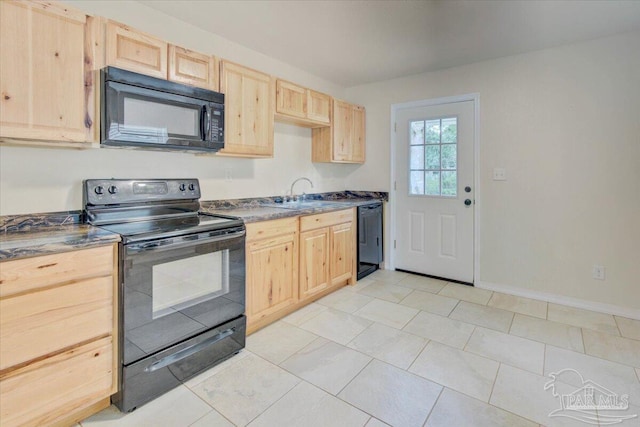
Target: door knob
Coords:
[[467, 202], [467, 189]]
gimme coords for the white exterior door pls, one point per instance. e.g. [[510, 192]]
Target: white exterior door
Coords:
[[434, 190]]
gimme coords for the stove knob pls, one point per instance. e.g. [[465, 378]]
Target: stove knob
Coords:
[[192, 187], [113, 189], [99, 190], [182, 187]]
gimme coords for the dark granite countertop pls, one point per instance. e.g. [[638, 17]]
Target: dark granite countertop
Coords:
[[264, 209], [41, 234], [47, 233]]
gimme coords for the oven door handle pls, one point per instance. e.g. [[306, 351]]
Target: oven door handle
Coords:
[[188, 351], [183, 242]]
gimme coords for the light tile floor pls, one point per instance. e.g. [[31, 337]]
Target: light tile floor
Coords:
[[405, 350]]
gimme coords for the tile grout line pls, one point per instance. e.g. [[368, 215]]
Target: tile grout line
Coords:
[[503, 409], [419, 353], [212, 410], [433, 407], [493, 386], [281, 397], [615, 320], [354, 377], [511, 323], [464, 347]]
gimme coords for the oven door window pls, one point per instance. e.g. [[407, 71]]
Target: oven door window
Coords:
[[187, 282]]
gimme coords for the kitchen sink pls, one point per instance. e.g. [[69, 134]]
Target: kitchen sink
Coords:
[[307, 204]]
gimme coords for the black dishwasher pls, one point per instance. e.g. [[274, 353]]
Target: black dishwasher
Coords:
[[369, 238]]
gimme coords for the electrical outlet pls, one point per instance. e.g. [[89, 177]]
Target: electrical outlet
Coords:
[[499, 174], [227, 175], [598, 272]]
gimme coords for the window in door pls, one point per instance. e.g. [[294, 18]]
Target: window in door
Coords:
[[433, 157]]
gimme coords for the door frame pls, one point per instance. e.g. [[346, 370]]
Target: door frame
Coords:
[[475, 97]]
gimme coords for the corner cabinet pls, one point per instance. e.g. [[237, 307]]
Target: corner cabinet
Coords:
[[327, 251], [47, 80], [344, 140], [58, 328], [271, 269], [249, 106], [304, 107]]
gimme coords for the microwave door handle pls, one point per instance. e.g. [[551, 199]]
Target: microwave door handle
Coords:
[[203, 115], [204, 123]]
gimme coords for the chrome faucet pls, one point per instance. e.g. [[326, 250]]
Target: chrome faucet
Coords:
[[293, 196]]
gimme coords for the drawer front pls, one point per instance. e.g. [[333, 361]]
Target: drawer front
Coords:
[[39, 323], [24, 275], [312, 222], [52, 388], [269, 229]]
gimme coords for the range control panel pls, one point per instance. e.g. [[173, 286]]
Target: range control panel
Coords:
[[120, 191]]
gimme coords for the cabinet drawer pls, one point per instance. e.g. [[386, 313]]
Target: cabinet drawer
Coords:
[[311, 222], [268, 229], [24, 275], [52, 388], [38, 323]]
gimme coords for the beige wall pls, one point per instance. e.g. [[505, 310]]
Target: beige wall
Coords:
[[44, 180], [565, 123]]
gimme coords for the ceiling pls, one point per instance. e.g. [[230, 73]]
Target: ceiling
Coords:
[[356, 42]]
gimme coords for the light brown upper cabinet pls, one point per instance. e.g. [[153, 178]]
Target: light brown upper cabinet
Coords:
[[143, 53], [193, 68], [344, 141], [301, 106], [248, 111], [47, 84], [135, 51]]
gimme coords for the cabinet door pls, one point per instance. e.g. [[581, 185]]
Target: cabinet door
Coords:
[[135, 51], [291, 99], [248, 111], [358, 135], [272, 281], [192, 68], [45, 72], [318, 107], [314, 262], [342, 131], [342, 251]]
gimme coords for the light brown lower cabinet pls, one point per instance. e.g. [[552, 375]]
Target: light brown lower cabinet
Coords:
[[292, 262], [271, 269], [327, 253], [314, 262], [58, 335]]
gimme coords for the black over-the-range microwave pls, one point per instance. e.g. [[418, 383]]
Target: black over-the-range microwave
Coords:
[[140, 111]]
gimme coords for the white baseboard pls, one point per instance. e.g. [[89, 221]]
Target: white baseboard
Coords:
[[630, 313]]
